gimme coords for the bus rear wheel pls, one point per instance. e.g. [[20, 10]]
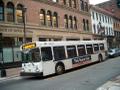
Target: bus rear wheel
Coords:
[[59, 69]]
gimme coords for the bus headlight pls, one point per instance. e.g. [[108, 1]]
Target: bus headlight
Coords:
[[37, 69]]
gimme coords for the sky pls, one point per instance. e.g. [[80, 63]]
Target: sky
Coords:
[[97, 1]]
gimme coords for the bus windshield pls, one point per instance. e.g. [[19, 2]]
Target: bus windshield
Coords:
[[32, 55]]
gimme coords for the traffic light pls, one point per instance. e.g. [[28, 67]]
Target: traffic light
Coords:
[[1, 42], [118, 3]]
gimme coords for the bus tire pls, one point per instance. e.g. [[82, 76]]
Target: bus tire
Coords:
[[100, 58], [59, 68]]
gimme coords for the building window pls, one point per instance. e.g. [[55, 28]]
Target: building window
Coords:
[[19, 13], [103, 18], [64, 1], [70, 3], [87, 22], [1, 11], [42, 17], [93, 15], [81, 5], [74, 3], [66, 21], [70, 22], [84, 27], [100, 16], [49, 18], [55, 19], [10, 12], [86, 6], [75, 23], [97, 16], [94, 27]]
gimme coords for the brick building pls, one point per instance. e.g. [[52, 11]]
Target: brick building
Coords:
[[45, 20]]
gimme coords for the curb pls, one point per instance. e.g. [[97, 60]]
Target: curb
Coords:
[[8, 78]]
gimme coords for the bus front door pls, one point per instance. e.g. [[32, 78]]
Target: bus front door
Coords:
[[48, 67]]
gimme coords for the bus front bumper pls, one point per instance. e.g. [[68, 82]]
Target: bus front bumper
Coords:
[[31, 74]]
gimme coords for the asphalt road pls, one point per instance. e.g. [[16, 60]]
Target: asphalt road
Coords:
[[87, 78]]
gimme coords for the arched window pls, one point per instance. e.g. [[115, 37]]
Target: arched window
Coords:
[[70, 22], [81, 5], [87, 22], [42, 17], [75, 23], [49, 18], [55, 19], [10, 12], [64, 1], [74, 3], [19, 13], [1, 11], [84, 26], [86, 6], [66, 21], [70, 3]]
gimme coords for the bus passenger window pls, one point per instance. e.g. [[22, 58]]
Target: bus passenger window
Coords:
[[59, 53], [101, 46], [46, 53], [89, 49], [96, 47], [71, 51], [81, 50]]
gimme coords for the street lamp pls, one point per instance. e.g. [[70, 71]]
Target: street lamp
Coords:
[[24, 9]]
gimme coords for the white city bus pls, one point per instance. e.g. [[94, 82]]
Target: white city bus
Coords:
[[45, 58]]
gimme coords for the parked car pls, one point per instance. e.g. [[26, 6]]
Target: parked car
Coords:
[[114, 52]]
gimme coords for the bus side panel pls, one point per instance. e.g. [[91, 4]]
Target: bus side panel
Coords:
[[67, 63], [94, 57], [48, 67]]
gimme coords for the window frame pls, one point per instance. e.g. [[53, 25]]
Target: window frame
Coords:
[[55, 53], [102, 48], [51, 55], [10, 12], [90, 51], [96, 49], [78, 48], [2, 11], [75, 52]]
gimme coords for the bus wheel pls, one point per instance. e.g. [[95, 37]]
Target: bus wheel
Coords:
[[59, 69], [100, 58]]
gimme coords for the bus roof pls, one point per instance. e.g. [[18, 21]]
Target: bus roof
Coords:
[[59, 43], [35, 44]]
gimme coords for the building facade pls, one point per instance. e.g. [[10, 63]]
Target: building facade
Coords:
[[102, 25], [42, 20], [113, 6]]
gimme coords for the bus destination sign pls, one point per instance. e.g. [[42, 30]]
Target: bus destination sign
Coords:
[[29, 46]]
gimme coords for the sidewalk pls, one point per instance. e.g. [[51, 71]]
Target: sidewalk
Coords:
[[113, 84], [11, 73]]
